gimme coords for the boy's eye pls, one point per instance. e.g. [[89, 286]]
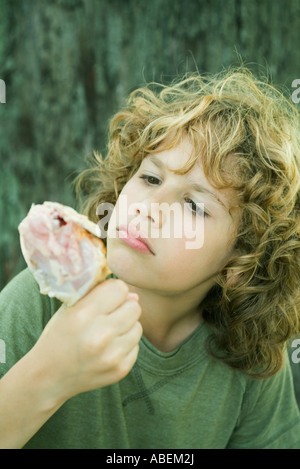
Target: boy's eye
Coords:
[[151, 180], [195, 208]]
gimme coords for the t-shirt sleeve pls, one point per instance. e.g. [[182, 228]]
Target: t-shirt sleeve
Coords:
[[24, 312], [270, 417]]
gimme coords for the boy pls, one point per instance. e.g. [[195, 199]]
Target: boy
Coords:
[[186, 348]]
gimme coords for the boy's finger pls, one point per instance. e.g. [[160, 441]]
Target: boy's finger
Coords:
[[105, 297]]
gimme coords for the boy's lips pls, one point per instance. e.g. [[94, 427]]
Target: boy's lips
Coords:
[[135, 238]]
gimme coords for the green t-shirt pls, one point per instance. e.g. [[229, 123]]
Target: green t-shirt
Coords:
[[184, 399]]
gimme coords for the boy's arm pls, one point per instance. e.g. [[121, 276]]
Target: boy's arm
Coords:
[[92, 344], [27, 401]]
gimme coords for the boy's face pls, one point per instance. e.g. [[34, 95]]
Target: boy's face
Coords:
[[187, 246]]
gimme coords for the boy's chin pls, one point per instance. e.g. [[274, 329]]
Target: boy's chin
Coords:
[[121, 264]]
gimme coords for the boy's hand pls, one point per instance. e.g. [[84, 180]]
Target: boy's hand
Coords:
[[92, 344]]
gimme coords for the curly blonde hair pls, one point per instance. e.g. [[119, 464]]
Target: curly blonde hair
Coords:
[[247, 134]]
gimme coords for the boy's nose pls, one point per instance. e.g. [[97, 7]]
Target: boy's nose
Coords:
[[150, 212]]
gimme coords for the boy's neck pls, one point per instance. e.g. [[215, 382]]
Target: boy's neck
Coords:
[[168, 320], [169, 338]]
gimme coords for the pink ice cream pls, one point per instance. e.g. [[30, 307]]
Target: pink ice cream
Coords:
[[63, 250]]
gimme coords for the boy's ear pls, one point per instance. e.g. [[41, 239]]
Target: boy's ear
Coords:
[[232, 277], [233, 274]]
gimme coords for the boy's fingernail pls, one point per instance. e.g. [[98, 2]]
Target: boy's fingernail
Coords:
[[133, 296]]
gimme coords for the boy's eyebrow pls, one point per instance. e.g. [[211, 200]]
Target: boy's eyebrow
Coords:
[[156, 161], [199, 188], [195, 185]]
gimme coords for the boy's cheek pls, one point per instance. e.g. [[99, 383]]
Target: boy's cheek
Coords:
[[118, 217]]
